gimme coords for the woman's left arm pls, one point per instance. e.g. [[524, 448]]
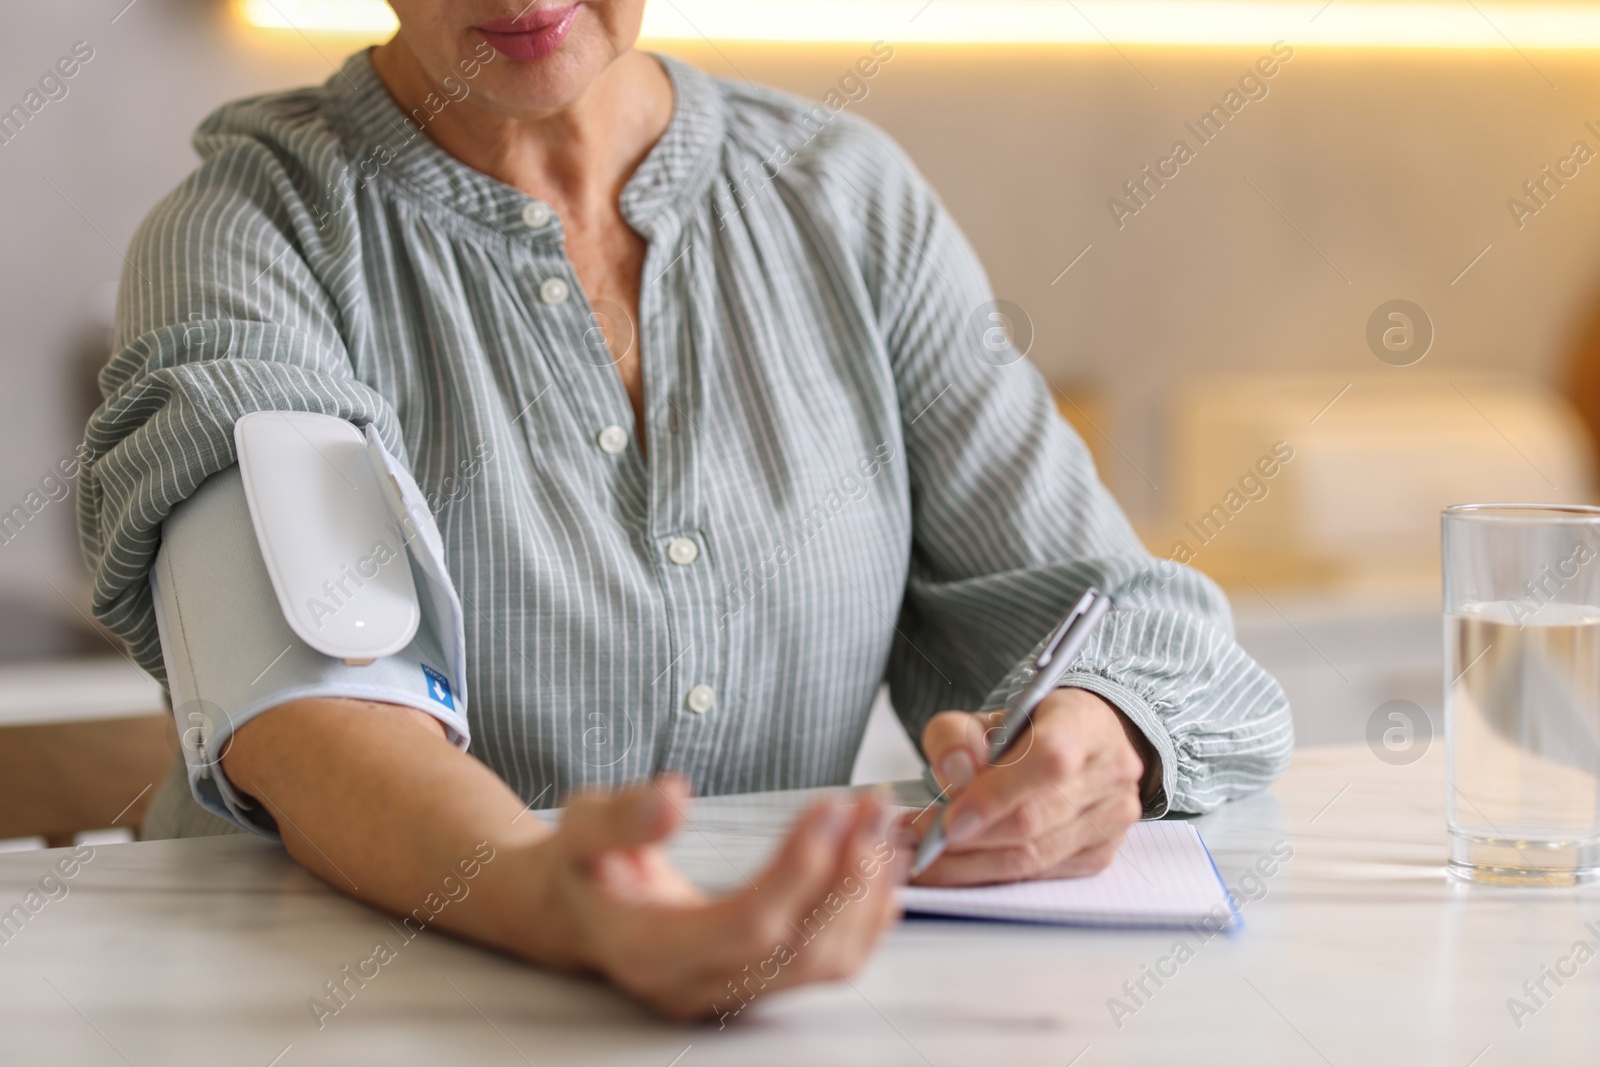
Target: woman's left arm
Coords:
[[1010, 525]]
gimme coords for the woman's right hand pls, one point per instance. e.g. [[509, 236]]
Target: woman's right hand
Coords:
[[610, 901]]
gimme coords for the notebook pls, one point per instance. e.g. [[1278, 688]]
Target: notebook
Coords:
[[1162, 877]]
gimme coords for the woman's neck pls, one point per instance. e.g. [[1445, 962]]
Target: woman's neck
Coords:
[[577, 158]]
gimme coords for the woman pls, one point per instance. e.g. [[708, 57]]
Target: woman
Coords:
[[695, 378]]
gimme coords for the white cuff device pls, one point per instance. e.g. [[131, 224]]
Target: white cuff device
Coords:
[[294, 575], [330, 510], [328, 534]]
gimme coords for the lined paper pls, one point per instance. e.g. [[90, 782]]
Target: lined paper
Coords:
[[1162, 876]]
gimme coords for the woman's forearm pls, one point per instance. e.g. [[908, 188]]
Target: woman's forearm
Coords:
[[372, 799]]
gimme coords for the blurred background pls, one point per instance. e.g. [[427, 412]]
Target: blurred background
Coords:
[[1375, 273]]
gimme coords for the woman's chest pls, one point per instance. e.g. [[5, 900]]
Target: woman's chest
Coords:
[[760, 389], [608, 259]]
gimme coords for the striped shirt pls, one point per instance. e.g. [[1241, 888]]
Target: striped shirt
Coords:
[[851, 475]]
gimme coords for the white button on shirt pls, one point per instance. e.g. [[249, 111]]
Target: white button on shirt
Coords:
[[553, 291], [683, 551], [613, 439], [700, 699], [536, 214]]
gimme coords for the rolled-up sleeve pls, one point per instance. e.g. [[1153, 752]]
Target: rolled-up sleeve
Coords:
[[236, 298], [1011, 524]]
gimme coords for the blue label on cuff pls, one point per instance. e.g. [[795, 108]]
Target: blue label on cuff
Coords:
[[438, 687]]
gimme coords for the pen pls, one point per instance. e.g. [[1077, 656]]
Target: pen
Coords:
[[1060, 651]]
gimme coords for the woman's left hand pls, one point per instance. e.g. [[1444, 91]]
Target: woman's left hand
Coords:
[[1056, 805]]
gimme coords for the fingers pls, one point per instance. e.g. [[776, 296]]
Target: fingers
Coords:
[[1056, 805], [831, 844], [642, 814], [806, 864], [829, 933], [814, 914], [1069, 761], [1085, 844], [955, 745], [1053, 804], [1026, 786], [858, 911]]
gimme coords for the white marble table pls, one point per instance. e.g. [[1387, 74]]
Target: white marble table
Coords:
[[1358, 951]]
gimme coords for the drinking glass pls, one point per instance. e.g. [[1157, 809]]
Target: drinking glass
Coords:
[[1522, 692]]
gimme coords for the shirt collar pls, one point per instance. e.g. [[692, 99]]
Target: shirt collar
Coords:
[[387, 143]]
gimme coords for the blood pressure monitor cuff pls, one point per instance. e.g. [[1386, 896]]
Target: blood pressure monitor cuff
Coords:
[[258, 533]]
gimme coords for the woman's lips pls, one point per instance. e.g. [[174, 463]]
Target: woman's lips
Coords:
[[532, 36]]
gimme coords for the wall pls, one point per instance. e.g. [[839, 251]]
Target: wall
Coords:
[[1359, 178], [73, 186]]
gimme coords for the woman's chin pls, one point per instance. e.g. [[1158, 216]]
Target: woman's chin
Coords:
[[543, 85]]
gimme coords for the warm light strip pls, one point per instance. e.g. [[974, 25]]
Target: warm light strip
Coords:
[[365, 17], [1342, 23]]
